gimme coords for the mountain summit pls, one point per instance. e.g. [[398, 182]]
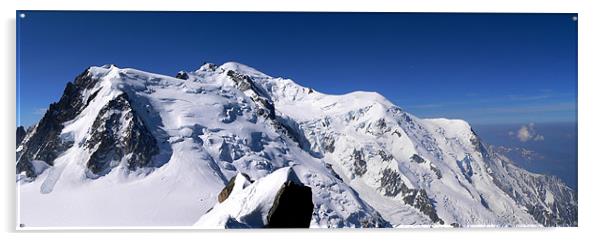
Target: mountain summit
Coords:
[[124, 147]]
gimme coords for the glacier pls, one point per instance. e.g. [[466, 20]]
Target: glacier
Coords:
[[124, 147]]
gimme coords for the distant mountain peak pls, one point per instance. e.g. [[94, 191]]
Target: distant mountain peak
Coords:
[[108, 66], [242, 69]]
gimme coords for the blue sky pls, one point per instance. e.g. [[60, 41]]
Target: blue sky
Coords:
[[485, 68]]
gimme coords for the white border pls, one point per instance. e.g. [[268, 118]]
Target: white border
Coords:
[[589, 94]]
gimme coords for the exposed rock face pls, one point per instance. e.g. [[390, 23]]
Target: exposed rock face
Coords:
[[45, 142], [385, 156], [359, 163], [561, 210], [119, 133], [329, 144], [265, 107], [292, 207], [417, 159], [436, 171], [225, 193], [182, 75], [378, 222], [392, 185], [20, 134], [419, 200], [546, 198]]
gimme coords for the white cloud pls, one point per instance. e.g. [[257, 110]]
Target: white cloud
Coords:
[[527, 133], [523, 134]]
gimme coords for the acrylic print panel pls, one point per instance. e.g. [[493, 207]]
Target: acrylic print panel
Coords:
[[216, 120]]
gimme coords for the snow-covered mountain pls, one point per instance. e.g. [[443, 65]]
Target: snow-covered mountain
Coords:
[[124, 147]]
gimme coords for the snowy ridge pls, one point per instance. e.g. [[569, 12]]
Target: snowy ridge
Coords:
[[248, 204], [145, 149]]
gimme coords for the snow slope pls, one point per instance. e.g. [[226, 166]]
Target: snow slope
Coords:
[[142, 149]]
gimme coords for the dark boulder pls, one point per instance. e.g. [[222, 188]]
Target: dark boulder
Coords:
[[292, 208]]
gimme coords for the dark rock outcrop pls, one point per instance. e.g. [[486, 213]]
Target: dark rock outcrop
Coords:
[[531, 193], [20, 134], [418, 199], [225, 193], [376, 222], [359, 164], [417, 159], [117, 133], [264, 104], [436, 171], [385, 156], [45, 142], [328, 143], [292, 208], [182, 75], [265, 108], [392, 185], [561, 212], [390, 182]]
